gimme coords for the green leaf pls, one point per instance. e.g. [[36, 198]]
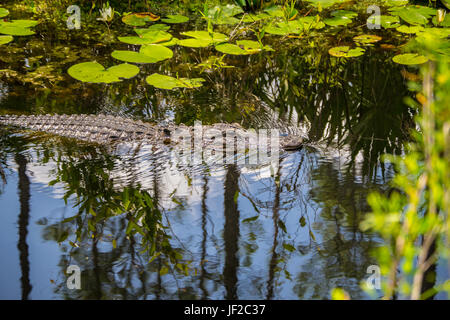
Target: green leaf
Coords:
[[17, 27], [139, 19], [5, 39], [289, 247], [302, 221], [282, 225], [204, 35], [147, 37], [169, 83], [151, 53], [386, 21], [409, 29], [340, 18], [230, 48], [95, 73], [157, 52], [325, 3], [414, 14], [177, 18], [254, 218], [3, 12], [346, 52], [228, 10], [366, 38], [410, 59], [195, 43]]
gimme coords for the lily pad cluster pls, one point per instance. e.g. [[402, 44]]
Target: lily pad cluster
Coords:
[[8, 29], [94, 72]]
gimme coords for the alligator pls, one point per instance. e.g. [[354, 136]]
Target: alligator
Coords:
[[107, 129]]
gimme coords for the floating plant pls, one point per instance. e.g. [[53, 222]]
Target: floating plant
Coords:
[[94, 72], [200, 39], [139, 19], [410, 59], [166, 82], [346, 52], [175, 18], [151, 53]]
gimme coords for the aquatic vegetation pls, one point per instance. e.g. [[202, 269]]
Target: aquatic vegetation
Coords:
[[340, 18], [224, 14], [410, 29], [386, 21], [415, 15], [346, 52], [166, 82], [146, 36], [139, 19], [366, 39], [242, 47], [410, 59], [297, 26], [175, 18], [3, 12], [151, 53], [17, 27], [200, 39], [94, 72], [5, 39], [325, 3]]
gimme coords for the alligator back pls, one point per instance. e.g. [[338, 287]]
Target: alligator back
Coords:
[[92, 128]]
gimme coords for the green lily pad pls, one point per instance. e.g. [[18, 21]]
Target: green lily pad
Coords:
[[395, 3], [3, 12], [215, 36], [21, 23], [151, 53], [157, 51], [242, 47], [415, 15], [296, 26], [436, 33], [409, 29], [175, 18], [195, 43], [275, 11], [94, 72], [446, 3], [165, 82], [346, 52], [5, 39], [201, 39], [367, 38], [17, 27], [410, 59], [171, 42], [228, 10], [325, 3], [251, 17], [340, 18], [229, 48], [147, 37], [386, 21], [15, 31], [139, 19]]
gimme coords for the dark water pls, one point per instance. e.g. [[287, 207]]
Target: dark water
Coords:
[[302, 238]]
